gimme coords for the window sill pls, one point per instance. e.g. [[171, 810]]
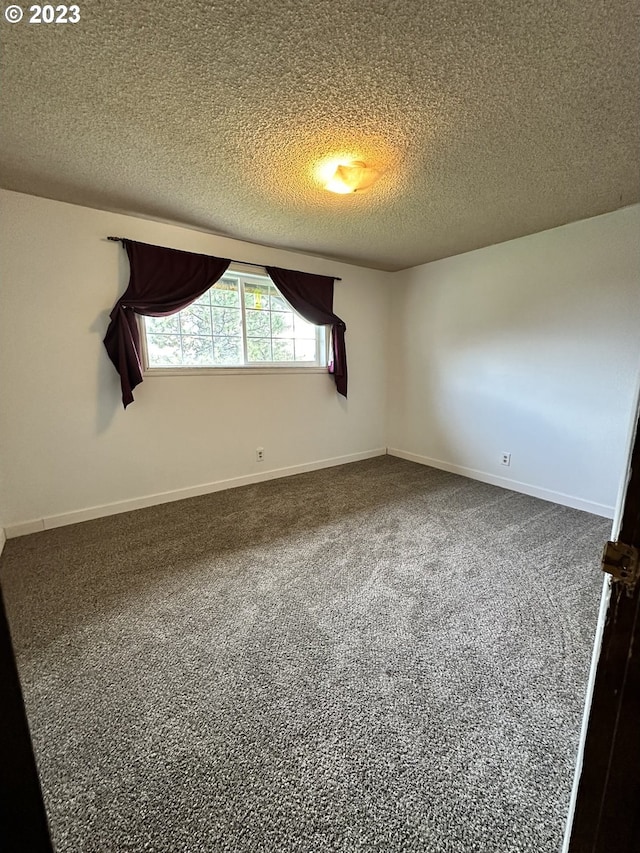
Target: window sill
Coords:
[[151, 372]]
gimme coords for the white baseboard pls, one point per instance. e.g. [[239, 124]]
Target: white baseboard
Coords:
[[48, 523], [506, 483]]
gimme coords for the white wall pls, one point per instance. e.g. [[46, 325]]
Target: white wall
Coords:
[[68, 443], [530, 347]]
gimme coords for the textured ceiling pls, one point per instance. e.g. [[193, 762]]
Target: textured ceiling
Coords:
[[489, 119]]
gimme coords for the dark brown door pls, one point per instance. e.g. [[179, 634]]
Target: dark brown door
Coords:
[[607, 813], [23, 821]]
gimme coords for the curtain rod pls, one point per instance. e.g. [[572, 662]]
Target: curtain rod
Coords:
[[246, 263]]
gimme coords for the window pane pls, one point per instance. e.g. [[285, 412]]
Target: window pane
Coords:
[[256, 296], [227, 321], [259, 349], [205, 299], [225, 293], [163, 325], [197, 351], [282, 324], [283, 350], [305, 350], [302, 328], [195, 320], [258, 324], [227, 350], [164, 350], [278, 303]]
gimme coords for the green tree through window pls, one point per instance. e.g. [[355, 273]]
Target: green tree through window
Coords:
[[242, 321]]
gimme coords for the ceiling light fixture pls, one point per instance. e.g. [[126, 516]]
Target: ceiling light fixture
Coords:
[[351, 178]]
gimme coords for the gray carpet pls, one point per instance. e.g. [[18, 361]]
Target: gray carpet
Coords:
[[376, 657]]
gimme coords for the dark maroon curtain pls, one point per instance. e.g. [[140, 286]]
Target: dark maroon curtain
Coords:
[[162, 281], [312, 297]]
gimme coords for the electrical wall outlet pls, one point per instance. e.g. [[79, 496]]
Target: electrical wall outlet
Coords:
[[259, 454], [505, 459]]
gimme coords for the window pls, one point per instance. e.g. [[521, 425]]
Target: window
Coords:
[[242, 321]]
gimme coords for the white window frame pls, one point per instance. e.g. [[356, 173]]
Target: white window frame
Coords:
[[323, 339]]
